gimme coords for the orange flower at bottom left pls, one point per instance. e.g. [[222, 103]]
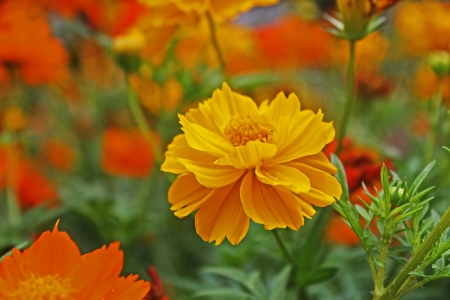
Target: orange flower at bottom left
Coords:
[[53, 269]]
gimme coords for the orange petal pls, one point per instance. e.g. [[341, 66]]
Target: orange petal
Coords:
[[282, 175], [99, 272], [223, 216], [248, 156], [186, 195], [270, 205], [128, 288]]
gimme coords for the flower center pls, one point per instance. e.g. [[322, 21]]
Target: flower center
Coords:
[[251, 127], [49, 287]]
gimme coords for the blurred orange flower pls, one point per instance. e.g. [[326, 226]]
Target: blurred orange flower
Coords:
[[28, 50], [53, 268], [29, 184], [424, 26], [293, 42], [126, 153], [59, 154], [361, 165]]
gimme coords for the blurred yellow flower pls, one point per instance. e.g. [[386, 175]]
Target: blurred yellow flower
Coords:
[[157, 97], [14, 119], [238, 161], [220, 10], [424, 26], [130, 42]]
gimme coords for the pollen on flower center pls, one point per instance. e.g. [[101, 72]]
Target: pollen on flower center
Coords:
[[251, 127], [49, 287]]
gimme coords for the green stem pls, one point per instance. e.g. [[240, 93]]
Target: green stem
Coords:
[[285, 250], [417, 258], [349, 97], [214, 41], [13, 208], [381, 270], [434, 122], [139, 117]]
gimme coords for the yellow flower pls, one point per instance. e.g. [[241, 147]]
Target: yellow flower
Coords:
[[220, 10], [238, 162]]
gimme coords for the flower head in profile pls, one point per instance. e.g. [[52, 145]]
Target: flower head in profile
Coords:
[[53, 268], [237, 161]]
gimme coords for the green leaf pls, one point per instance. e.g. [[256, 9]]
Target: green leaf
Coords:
[[316, 276], [279, 284], [386, 191], [421, 177], [363, 213], [227, 293], [341, 176], [250, 282]]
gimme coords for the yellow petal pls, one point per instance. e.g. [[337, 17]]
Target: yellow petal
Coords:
[[304, 140], [317, 198], [307, 209], [187, 195], [319, 161], [212, 175], [223, 216], [272, 206], [290, 178], [329, 129], [320, 180], [215, 113], [171, 163], [205, 140], [248, 156]]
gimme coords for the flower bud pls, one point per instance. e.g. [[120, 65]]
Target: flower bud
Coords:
[[356, 15], [439, 62]]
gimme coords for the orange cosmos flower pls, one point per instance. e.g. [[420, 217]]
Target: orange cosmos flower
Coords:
[[28, 49], [53, 268], [126, 153], [237, 161]]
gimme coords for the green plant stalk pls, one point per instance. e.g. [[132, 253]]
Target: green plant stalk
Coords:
[[434, 122], [284, 249], [214, 41], [350, 95], [13, 209], [383, 256], [139, 117], [416, 259]]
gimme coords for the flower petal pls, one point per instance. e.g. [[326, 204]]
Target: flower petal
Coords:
[[203, 139], [270, 205], [186, 195], [282, 175], [248, 156], [223, 216], [317, 198], [171, 163], [306, 139], [320, 180], [212, 175], [128, 288], [318, 161]]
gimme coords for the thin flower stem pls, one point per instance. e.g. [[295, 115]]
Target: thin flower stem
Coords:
[[349, 97], [139, 117], [14, 214], [393, 288], [434, 122], [214, 41], [285, 250]]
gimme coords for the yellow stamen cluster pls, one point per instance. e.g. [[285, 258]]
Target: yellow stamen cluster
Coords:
[[49, 287], [251, 127]]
